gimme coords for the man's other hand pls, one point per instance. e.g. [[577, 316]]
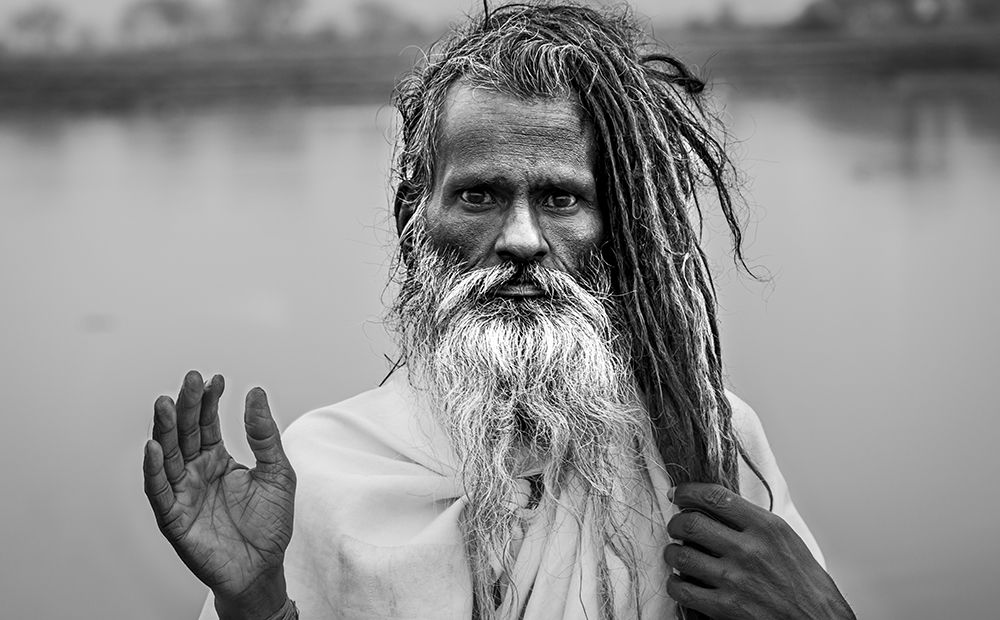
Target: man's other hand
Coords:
[[229, 524], [740, 561]]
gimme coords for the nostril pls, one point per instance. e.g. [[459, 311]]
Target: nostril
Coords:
[[521, 254], [522, 247]]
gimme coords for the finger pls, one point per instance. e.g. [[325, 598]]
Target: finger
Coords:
[[717, 501], [697, 528], [165, 434], [157, 487], [694, 596], [211, 432], [262, 434], [694, 564], [188, 413]]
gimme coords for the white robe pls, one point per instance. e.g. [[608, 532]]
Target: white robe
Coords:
[[376, 532]]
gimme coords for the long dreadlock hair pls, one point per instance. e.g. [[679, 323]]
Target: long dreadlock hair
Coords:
[[658, 157]]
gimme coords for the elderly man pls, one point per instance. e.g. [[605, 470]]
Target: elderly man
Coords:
[[557, 442]]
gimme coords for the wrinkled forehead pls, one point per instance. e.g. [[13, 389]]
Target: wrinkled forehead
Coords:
[[483, 120]]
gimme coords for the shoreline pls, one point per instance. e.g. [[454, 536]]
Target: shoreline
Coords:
[[325, 73]]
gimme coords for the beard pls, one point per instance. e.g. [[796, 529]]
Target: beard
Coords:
[[537, 385]]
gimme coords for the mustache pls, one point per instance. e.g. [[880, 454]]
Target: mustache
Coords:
[[488, 281], [482, 285]]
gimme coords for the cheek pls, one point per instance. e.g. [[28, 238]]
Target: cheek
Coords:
[[469, 236], [577, 238]]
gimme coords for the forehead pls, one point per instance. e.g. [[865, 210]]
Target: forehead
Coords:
[[486, 128]]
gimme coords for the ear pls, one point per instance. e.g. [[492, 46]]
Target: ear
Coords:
[[404, 206]]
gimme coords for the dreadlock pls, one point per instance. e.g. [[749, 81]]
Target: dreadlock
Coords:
[[658, 157]]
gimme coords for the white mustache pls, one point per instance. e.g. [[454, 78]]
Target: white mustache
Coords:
[[481, 285]]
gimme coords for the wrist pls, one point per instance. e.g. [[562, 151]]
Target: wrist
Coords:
[[288, 611], [265, 599]]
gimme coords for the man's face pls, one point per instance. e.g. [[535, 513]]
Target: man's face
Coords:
[[514, 182]]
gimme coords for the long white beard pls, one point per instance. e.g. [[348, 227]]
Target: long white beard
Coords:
[[521, 381]]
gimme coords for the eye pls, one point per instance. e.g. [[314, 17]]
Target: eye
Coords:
[[561, 201], [477, 197]]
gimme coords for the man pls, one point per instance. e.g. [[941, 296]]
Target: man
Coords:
[[558, 442]]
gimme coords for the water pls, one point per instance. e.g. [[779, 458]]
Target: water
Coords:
[[254, 242]]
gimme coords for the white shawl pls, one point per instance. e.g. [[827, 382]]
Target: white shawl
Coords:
[[377, 509]]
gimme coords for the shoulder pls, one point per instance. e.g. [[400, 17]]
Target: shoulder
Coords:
[[341, 421], [363, 463], [775, 495], [745, 420], [749, 429], [757, 454], [381, 427]]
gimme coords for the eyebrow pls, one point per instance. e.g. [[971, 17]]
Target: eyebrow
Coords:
[[570, 177]]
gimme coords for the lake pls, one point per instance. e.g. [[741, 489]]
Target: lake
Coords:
[[255, 241]]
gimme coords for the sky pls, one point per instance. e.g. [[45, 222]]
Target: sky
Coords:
[[101, 15]]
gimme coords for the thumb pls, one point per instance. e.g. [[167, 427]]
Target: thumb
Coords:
[[262, 434]]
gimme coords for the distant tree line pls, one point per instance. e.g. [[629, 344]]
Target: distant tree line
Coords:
[[45, 28], [877, 14]]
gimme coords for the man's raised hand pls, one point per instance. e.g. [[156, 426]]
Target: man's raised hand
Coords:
[[741, 561], [229, 524]]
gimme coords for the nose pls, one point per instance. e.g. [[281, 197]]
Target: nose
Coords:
[[521, 238]]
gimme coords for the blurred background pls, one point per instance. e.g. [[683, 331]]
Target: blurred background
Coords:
[[204, 184]]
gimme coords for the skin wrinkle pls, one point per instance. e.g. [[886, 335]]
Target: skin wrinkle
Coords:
[[563, 129], [553, 133], [520, 174]]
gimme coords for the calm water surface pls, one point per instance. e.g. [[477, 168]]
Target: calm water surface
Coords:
[[255, 243]]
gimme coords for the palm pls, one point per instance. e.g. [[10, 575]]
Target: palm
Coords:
[[230, 517], [229, 524]]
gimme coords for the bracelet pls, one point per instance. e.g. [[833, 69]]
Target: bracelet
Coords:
[[288, 611]]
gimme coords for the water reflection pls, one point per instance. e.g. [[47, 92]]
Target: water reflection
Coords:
[[255, 241], [912, 127]]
